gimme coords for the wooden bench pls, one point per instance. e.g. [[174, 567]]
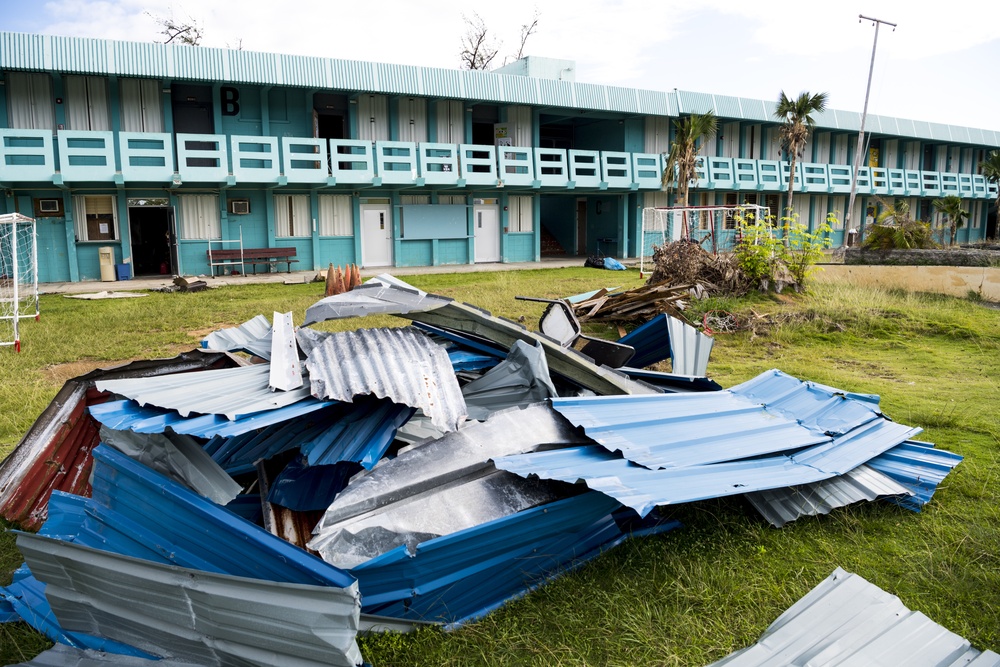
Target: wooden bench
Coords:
[[253, 256]]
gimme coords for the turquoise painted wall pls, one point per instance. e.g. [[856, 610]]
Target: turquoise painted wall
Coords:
[[338, 250], [254, 224], [415, 253], [520, 247], [603, 225], [606, 135], [452, 251]]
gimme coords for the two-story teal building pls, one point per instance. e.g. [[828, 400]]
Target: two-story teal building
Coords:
[[165, 152]]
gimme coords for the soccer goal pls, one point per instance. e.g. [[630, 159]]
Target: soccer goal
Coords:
[[699, 223], [18, 275]]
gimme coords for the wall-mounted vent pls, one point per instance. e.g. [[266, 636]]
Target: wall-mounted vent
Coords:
[[239, 206]]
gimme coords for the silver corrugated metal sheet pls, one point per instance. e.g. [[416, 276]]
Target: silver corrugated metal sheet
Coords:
[[193, 615], [254, 336], [779, 506], [689, 348], [179, 457], [286, 369], [393, 296], [233, 392], [675, 430], [403, 365], [846, 620], [61, 655], [452, 457], [522, 378]]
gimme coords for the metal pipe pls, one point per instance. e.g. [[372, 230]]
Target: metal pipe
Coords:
[[861, 134]]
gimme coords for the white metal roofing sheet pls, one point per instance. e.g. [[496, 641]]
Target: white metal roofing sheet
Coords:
[[846, 620], [233, 392], [189, 614]]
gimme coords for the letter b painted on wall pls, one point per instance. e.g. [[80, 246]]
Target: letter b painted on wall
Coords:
[[230, 101]]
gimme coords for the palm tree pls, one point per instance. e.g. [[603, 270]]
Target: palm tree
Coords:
[[951, 207], [682, 160], [797, 123], [991, 170]]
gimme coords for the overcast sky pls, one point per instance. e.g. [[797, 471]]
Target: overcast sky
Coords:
[[941, 64]]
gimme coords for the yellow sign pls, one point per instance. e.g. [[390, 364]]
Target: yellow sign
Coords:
[[872, 157]]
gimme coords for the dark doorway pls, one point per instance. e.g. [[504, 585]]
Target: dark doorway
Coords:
[[484, 116], [581, 227], [192, 109], [152, 241], [331, 115]]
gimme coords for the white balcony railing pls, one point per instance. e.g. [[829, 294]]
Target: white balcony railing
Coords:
[[68, 157]]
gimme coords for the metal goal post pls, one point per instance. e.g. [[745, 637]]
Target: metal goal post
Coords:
[[661, 225], [18, 275]]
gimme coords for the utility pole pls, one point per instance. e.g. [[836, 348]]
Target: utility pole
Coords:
[[861, 134]]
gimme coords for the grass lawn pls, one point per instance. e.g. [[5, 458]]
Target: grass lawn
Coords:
[[698, 593]]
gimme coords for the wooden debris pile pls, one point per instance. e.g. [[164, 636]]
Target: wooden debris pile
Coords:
[[636, 305], [686, 262]]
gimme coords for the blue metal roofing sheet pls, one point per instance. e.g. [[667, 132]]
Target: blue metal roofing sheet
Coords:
[[919, 467], [464, 575], [676, 430], [643, 489], [138, 512], [727, 106], [128, 414], [815, 406], [846, 620]]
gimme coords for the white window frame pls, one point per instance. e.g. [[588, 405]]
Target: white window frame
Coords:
[[520, 215], [87, 108], [292, 216], [336, 215], [80, 205], [199, 217]]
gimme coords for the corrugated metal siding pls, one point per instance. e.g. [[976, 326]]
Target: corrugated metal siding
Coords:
[[82, 55], [624, 100], [18, 51], [590, 96], [400, 79], [727, 107], [204, 617], [779, 506], [403, 365], [68, 53], [674, 430], [556, 93], [232, 392], [846, 620], [440, 82]]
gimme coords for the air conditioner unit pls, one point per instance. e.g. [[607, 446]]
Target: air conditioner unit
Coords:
[[239, 206], [49, 205]]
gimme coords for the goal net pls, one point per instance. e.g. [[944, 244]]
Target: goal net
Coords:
[[699, 223], [18, 275]]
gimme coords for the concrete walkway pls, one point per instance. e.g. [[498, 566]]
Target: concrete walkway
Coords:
[[159, 282]]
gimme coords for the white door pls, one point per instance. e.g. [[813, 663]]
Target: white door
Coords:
[[487, 236], [376, 236]]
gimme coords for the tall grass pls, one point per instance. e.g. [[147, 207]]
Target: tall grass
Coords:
[[691, 596]]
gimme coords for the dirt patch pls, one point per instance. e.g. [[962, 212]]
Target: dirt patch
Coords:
[[201, 333], [59, 374]]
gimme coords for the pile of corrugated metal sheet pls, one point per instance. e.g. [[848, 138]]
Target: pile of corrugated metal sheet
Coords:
[[260, 513], [846, 620]]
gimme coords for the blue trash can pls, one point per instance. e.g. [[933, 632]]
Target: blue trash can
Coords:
[[123, 271]]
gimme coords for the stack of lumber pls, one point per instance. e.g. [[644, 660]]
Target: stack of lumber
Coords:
[[636, 305]]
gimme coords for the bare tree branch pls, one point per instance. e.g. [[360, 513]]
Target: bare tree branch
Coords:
[[177, 30], [478, 50], [527, 30]]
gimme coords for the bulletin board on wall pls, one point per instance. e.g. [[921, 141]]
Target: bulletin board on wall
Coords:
[[434, 221]]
